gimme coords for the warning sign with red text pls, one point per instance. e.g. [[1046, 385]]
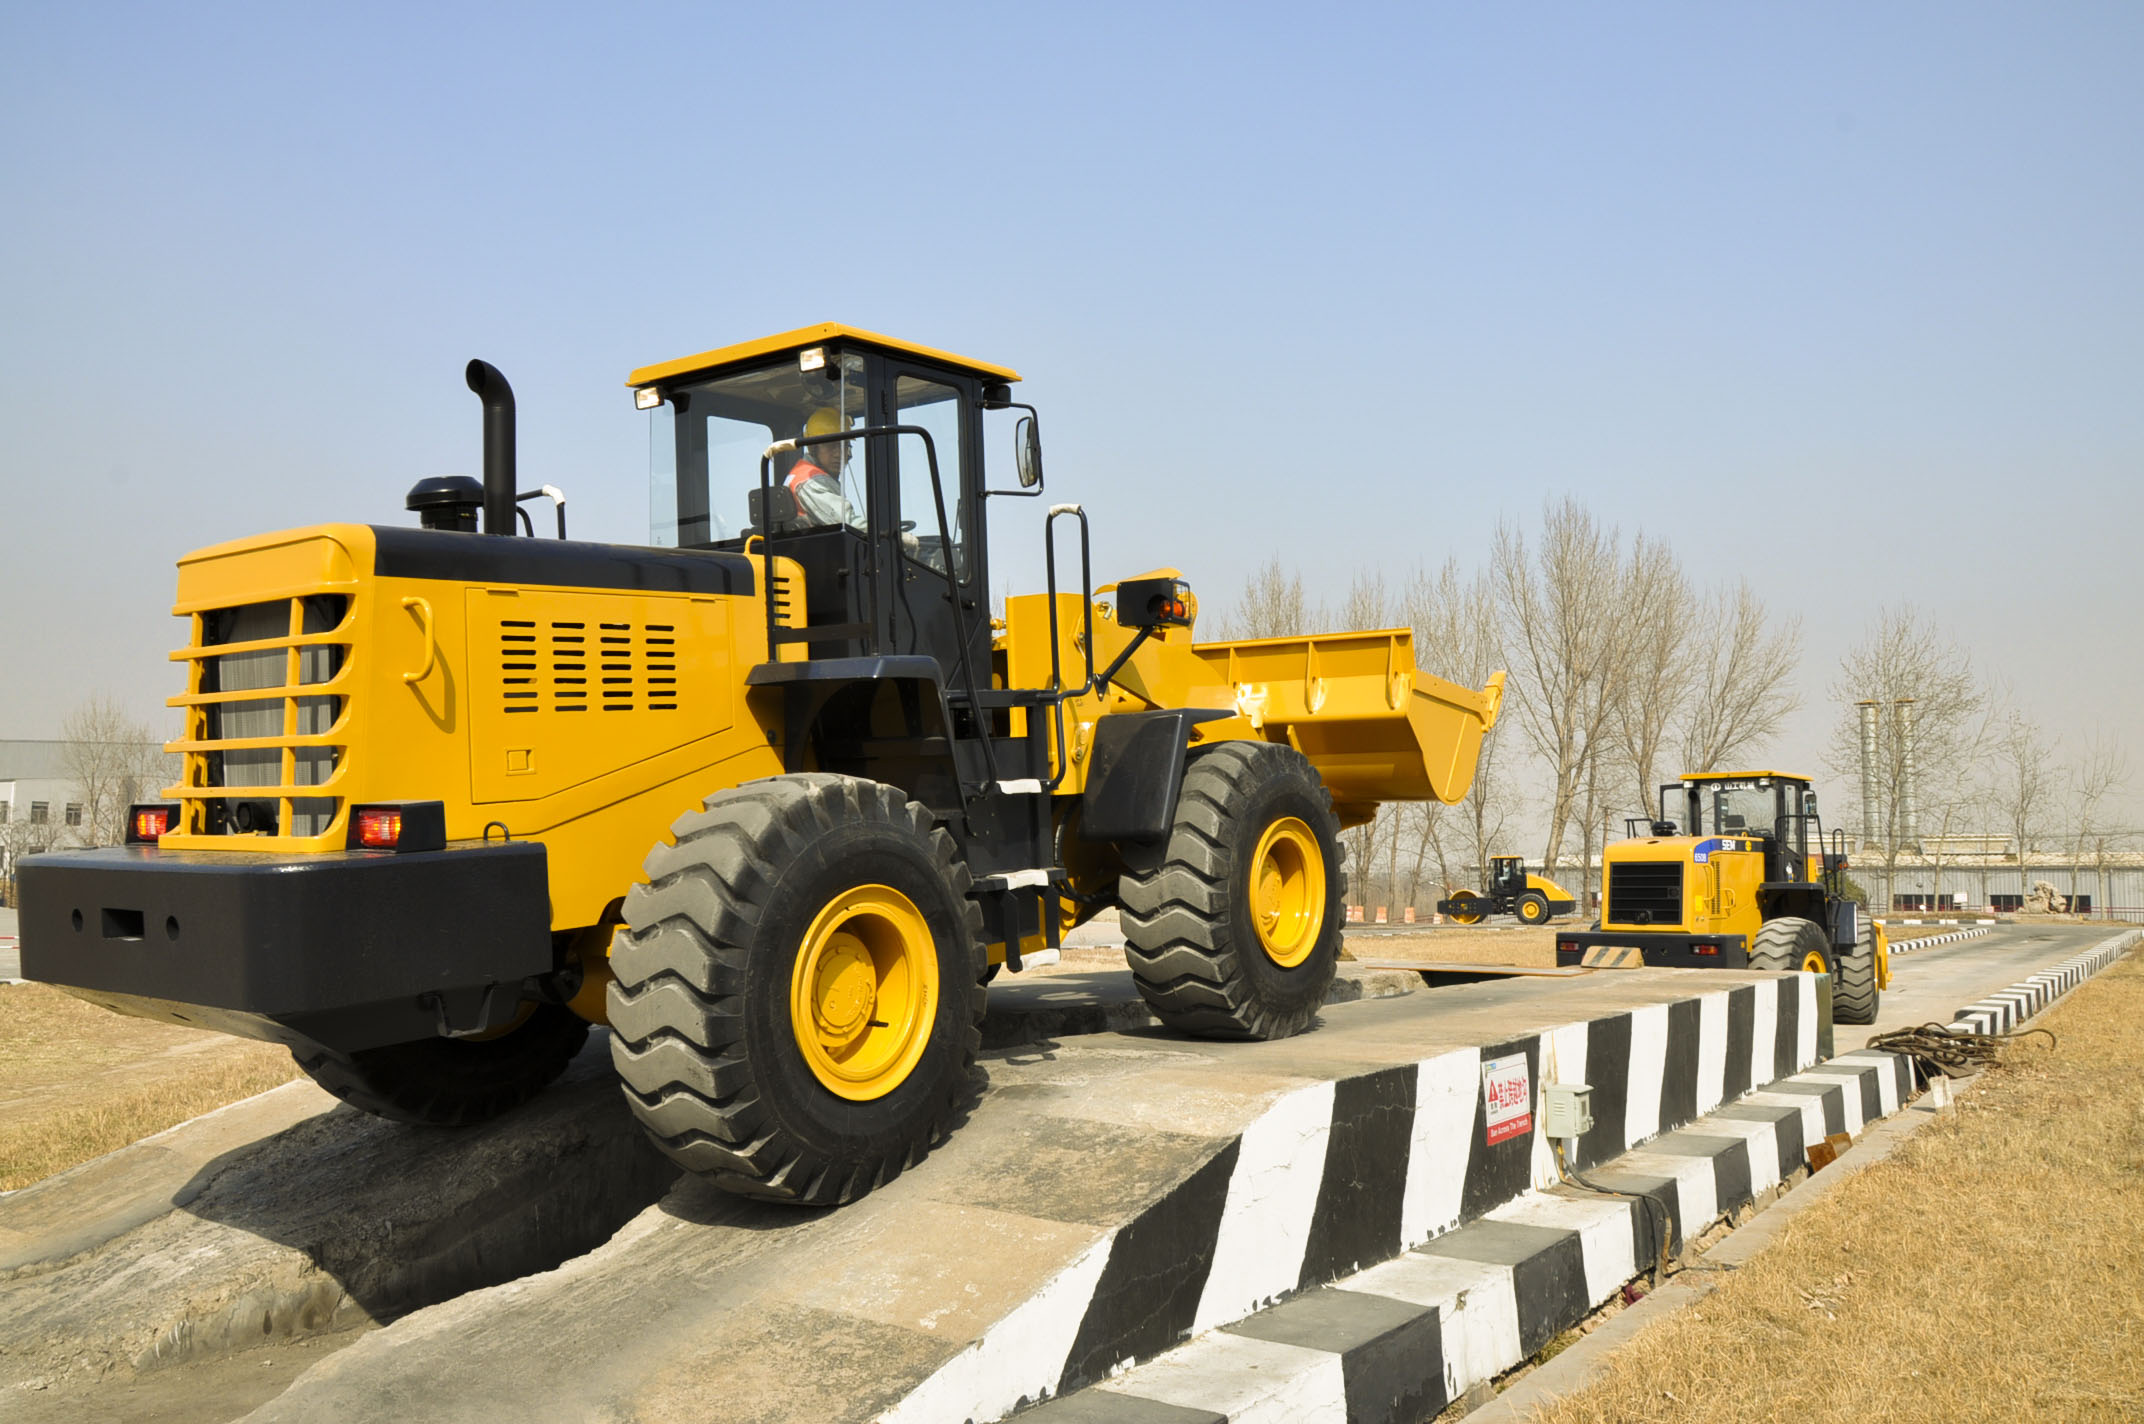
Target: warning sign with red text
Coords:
[[1509, 1093]]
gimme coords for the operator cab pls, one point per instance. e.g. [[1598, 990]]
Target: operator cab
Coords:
[[1507, 875], [885, 548], [857, 458], [1764, 805]]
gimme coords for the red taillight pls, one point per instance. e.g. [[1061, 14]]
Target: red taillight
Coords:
[[148, 824], [399, 826], [1704, 949], [379, 827], [1567, 946]]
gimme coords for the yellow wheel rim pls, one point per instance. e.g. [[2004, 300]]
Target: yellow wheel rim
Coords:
[[1813, 963], [1288, 891], [1531, 912], [864, 992], [1466, 914]]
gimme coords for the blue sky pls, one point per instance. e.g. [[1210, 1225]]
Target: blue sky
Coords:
[[1843, 298]]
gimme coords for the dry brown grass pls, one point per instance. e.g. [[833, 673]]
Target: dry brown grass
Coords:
[[77, 1081], [1990, 1270]]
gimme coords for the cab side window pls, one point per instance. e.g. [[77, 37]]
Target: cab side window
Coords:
[[936, 408]]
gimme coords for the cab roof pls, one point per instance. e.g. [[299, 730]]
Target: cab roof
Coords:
[[805, 336], [1743, 775]]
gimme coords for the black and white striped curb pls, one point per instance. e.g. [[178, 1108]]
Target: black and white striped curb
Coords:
[[1340, 1174], [2002, 1012], [1486, 1297], [1401, 1340], [1907, 946]]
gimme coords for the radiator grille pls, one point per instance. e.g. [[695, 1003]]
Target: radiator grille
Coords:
[[1644, 893], [560, 665], [273, 748]]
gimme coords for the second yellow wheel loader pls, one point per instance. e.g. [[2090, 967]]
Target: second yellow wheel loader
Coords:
[[1734, 874], [424, 769]]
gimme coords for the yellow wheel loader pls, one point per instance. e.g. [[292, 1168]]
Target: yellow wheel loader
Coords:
[[770, 796], [1735, 874], [1534, 899]]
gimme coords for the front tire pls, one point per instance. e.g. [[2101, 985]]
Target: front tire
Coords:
[[453, 1082], [1467, 907], [1235, 931], [799, 1000], [1532, 908], [1788, 944], [1854, 995]]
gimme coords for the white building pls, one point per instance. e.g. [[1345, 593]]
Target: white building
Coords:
[[41, 807]]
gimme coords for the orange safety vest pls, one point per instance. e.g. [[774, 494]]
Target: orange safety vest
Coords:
[[803, 470]]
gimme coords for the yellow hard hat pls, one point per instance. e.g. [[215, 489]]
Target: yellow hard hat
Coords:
[[823, 421]]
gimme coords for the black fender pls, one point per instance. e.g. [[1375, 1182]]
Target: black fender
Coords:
[[1135, 768]]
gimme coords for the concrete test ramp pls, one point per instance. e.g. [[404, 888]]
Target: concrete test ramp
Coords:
[[1109, 1196], [287, 1216]]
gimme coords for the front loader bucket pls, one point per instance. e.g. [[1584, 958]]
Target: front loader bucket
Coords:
[[1377, 727]]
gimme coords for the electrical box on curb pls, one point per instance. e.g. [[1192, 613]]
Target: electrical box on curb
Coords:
[[1569, 1111]]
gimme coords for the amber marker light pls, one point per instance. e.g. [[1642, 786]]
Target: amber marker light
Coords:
[[146, 825]]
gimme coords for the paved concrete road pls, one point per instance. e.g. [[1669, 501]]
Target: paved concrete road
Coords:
[[1930, 985], [10, 951]]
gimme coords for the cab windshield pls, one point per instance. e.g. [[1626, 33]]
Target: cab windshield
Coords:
[[706, 440], [1740, 808]]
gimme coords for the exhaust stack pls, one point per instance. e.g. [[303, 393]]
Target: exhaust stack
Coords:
[[1868, 772], [1909, 775], [499, 474]]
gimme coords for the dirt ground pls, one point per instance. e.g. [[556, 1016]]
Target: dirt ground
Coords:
[[1466, 946], [1481, 945], [1986, 1271], [77, 1081]]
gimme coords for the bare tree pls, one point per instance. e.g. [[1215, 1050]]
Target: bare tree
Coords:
[[1272, 605], [113, 760], [2100, 775], [1568, 646], [1457, 634], [1368, 605], [1656, 600], [2024, 782], [1925, 757], [20, 836], [1739, 681]]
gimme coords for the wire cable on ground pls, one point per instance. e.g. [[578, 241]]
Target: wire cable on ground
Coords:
[[1656, 1211], [1953, 1052]]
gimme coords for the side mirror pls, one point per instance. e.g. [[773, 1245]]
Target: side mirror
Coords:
[[1027, 452], [1809, 803]]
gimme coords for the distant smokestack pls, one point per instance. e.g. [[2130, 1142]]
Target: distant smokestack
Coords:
[[1909, 776], [1868, 772]]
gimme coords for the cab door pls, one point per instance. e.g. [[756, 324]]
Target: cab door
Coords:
[[933, 565]]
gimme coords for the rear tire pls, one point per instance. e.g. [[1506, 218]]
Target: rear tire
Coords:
[[799, 994], [453, 1082], [1854, 995], [1235, 932], [1532, 908], [1788, 944]]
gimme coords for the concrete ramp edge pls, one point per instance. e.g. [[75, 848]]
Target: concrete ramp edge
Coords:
[[1347, 1173], [1404, 1339]]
